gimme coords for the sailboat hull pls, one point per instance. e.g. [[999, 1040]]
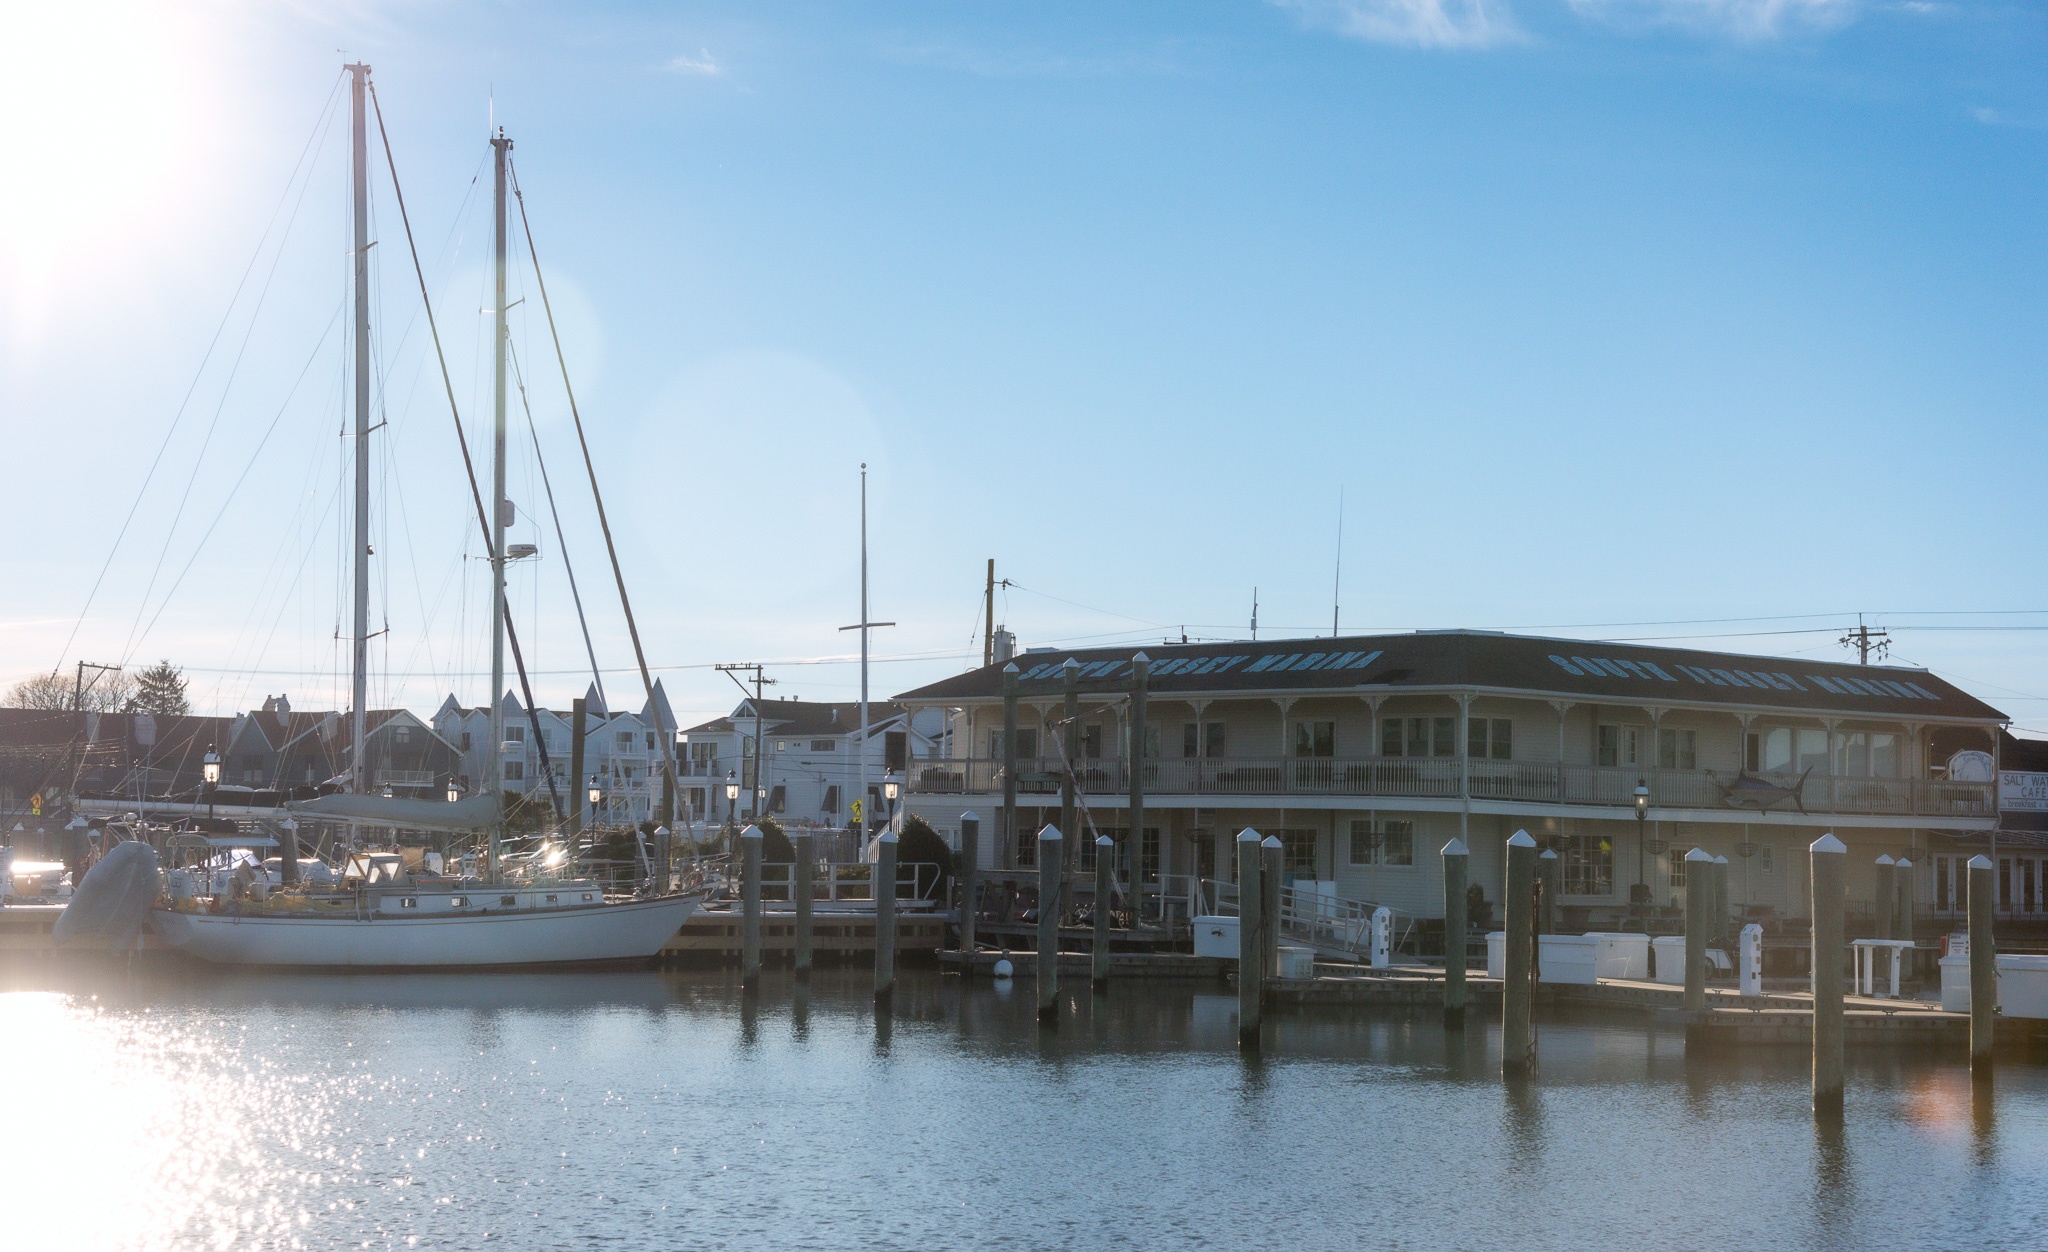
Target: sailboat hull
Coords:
[[634, 931]]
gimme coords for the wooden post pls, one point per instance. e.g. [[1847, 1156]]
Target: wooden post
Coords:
[[579, 711], [1250, 977], [885, 918], [1141, 673], [1549, 876], [1983, 966], [1519, 993], [1902, 906], [1012, 845], [1050, 870], [1457, 863], [1882, 897], [1070, 743], [750, 907], [800, 887], [1699, 911], [1105, 885], [1272, 860], [1721, 918], [970, 881], [1829, 858]]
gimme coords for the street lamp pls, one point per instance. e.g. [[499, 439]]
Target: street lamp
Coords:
[[209, 769], [454, 792], [891, 788], [596, 795], [1642, 891], [732, 796]]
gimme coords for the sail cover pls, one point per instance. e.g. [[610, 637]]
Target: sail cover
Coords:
[[114, 899], [474, 813]]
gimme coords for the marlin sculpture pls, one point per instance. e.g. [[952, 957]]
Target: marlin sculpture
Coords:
[[1754, 791]]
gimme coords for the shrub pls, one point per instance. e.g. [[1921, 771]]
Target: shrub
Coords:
[[776, 849], [919, 842]]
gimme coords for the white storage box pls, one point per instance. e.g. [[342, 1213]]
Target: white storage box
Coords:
[[1216, 936], [2023, 985], [1955, 984], [1569, 958], [1622, 954], [1497, 954], [1670, 951], [1297, 962]]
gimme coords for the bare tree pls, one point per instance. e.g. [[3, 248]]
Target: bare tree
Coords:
[[107, 692]]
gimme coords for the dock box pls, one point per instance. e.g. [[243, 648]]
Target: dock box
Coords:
[[1569, 958], [2022, 984], [1622, 954], [1297, 962], [1216, 936], [1670, 951], [1955, 984]]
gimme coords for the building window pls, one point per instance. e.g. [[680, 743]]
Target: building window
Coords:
[[697, 800], [515, 734], [1866, 754], [831, 804], [1298, 854], [1382, 843], [824, 745], [1766, 858], [1678, 749], [1027, 743], [1490, 738], [1419, 736], [782, 745], [1315, 738], [1588, 865], [465, 741], [1621, 745], [650, 741], [778, 798], [1091, 742], [1792, 750], [625, 740], [401, 734], [1674, 873], [515, 771]]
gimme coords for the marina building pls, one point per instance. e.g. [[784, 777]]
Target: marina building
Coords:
[[1365, 755]]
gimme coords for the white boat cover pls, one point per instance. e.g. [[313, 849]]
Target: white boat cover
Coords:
[[114, 899], [474, 813]]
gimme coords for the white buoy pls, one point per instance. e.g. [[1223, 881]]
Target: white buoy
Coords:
[[1004, 969]]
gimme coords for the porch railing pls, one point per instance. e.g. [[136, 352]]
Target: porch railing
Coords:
[[1441, 778]]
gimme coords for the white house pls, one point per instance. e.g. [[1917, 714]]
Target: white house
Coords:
[[622, 750], [813, 756]]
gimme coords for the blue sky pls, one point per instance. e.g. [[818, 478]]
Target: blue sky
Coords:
[[1596, 312]]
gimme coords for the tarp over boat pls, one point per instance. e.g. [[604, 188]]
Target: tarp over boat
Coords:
[[114, 900], [474, 813]]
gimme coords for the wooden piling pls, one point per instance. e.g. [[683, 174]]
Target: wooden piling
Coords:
[[1983, 966], [1141, 672], [750, 907], [1699, 912], [1251, 981], [1105, 886], [1549, 878], [1722, 916], [1518, 991], [1829, 858], [1050, 869], [1883, 896], [802, 876], [970, 881], [885, 918], [1272, 864], [1902, 906], [1457, 866]]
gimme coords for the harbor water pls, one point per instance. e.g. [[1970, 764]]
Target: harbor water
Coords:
[[665, 1109]]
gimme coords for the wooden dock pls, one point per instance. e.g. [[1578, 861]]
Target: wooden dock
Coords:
[[713, 935]]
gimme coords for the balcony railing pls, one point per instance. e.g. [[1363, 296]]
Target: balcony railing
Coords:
[[1440, 778]]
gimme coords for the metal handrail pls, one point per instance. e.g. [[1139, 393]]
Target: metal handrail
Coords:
[[1332, 921]]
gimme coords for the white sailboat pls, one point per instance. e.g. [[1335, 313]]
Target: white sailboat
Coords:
[[386, 913]]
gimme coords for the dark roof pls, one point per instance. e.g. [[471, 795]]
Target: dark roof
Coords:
[[809, 717], [1573, 668]]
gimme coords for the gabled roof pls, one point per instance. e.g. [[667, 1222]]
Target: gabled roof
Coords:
[[1575, 669], [804, 717]]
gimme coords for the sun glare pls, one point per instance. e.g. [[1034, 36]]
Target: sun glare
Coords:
[[100, 105]]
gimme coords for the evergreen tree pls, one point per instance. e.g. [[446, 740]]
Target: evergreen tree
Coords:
[[160, 689]]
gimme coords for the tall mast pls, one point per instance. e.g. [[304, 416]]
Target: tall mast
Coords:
[[499, 147], [358, 775], [864, 815]]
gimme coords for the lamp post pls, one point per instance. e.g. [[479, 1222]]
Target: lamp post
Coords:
[[454, 792], [1640, 894], [892, 786], [732, 797], [209, 769], [595, 794]]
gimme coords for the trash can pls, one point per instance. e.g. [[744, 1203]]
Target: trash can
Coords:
[[2022, 985], [1955, 984], [1670, 950], [1569, 958], [1622, 954], [1497, 954], [1216, 936], [1297, 962]]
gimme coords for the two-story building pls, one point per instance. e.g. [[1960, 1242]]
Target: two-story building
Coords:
[[1366, 755], [623, 751], [811, 762]]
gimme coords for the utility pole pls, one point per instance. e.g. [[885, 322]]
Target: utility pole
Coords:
[[864, 626], [1255, 615], [1867, 640], [760, 784], [988, 631], [78, 684]]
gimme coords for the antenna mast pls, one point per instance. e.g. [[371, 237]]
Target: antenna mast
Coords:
[[500, 147], [1337, 588]]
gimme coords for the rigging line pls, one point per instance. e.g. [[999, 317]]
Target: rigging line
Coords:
[[468, 464], [254, 455], [213, 425], [667, 737], [1091, 608], [561, 542], [320, 123]]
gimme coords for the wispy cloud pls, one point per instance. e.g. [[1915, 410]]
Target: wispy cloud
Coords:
[[1028, 62], [703, 64], [1750, 20], [2005, 117], [1413, 23]]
